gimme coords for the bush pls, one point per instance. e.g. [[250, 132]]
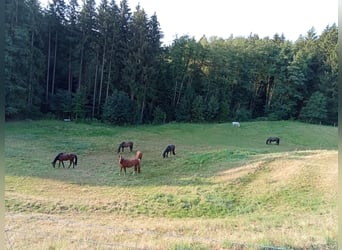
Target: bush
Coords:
[[159, 116], [243, 114], [119, 109]]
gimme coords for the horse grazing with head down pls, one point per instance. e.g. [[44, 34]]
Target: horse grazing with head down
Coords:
[[169, 149], [128, 163], [236, 124], [72, 158], [273, 139], [125, 144]]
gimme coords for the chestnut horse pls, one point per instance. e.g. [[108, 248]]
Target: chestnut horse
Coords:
[[138, 155], [169, 149], [127, 163], [72, 158], [125, 144]]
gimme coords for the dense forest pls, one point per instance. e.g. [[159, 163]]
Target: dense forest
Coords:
[[108, 63]]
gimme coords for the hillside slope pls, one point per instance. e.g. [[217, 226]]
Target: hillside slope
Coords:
[[227, 190]]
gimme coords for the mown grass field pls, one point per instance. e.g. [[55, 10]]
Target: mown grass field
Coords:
[[224, 189]]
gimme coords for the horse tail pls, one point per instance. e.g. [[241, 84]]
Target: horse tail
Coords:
[[75, 159]]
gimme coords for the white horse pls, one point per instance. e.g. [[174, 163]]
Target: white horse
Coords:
[[236, 124]]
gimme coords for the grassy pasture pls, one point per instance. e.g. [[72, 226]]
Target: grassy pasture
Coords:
[[225, 188]]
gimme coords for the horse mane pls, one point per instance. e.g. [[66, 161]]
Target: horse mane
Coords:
[[119, 147], [165, 151], [56, 158]]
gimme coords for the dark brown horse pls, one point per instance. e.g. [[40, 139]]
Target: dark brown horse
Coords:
[[61, 157], [128, 163], [273, 139], [125, 144], [169, 149]]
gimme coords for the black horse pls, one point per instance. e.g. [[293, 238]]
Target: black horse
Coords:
[[169, 149], [273, 139], [125, 144]]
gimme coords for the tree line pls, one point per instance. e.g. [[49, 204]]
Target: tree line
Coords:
[[107, 62]]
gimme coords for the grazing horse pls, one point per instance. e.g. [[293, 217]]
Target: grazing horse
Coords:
[[125, 144], [72, 158], [273, 139], [169, 149], [236, 124], [127, 163], [138, 155]]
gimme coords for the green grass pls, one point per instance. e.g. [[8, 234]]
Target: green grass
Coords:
[[202, 149], [182, 186]]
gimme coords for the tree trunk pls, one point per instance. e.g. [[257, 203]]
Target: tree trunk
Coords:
[[108, 80], [54, 67], [143, 105], [101, 80], [48, 69], [95, 85], [30, 87], [69, 73], [81, 64]]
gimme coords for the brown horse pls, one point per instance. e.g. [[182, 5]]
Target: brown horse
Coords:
[[72, 158], [138, 155], [125, 144], [127, 163]]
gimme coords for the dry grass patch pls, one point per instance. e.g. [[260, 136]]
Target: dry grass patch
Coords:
[[317, 169]]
